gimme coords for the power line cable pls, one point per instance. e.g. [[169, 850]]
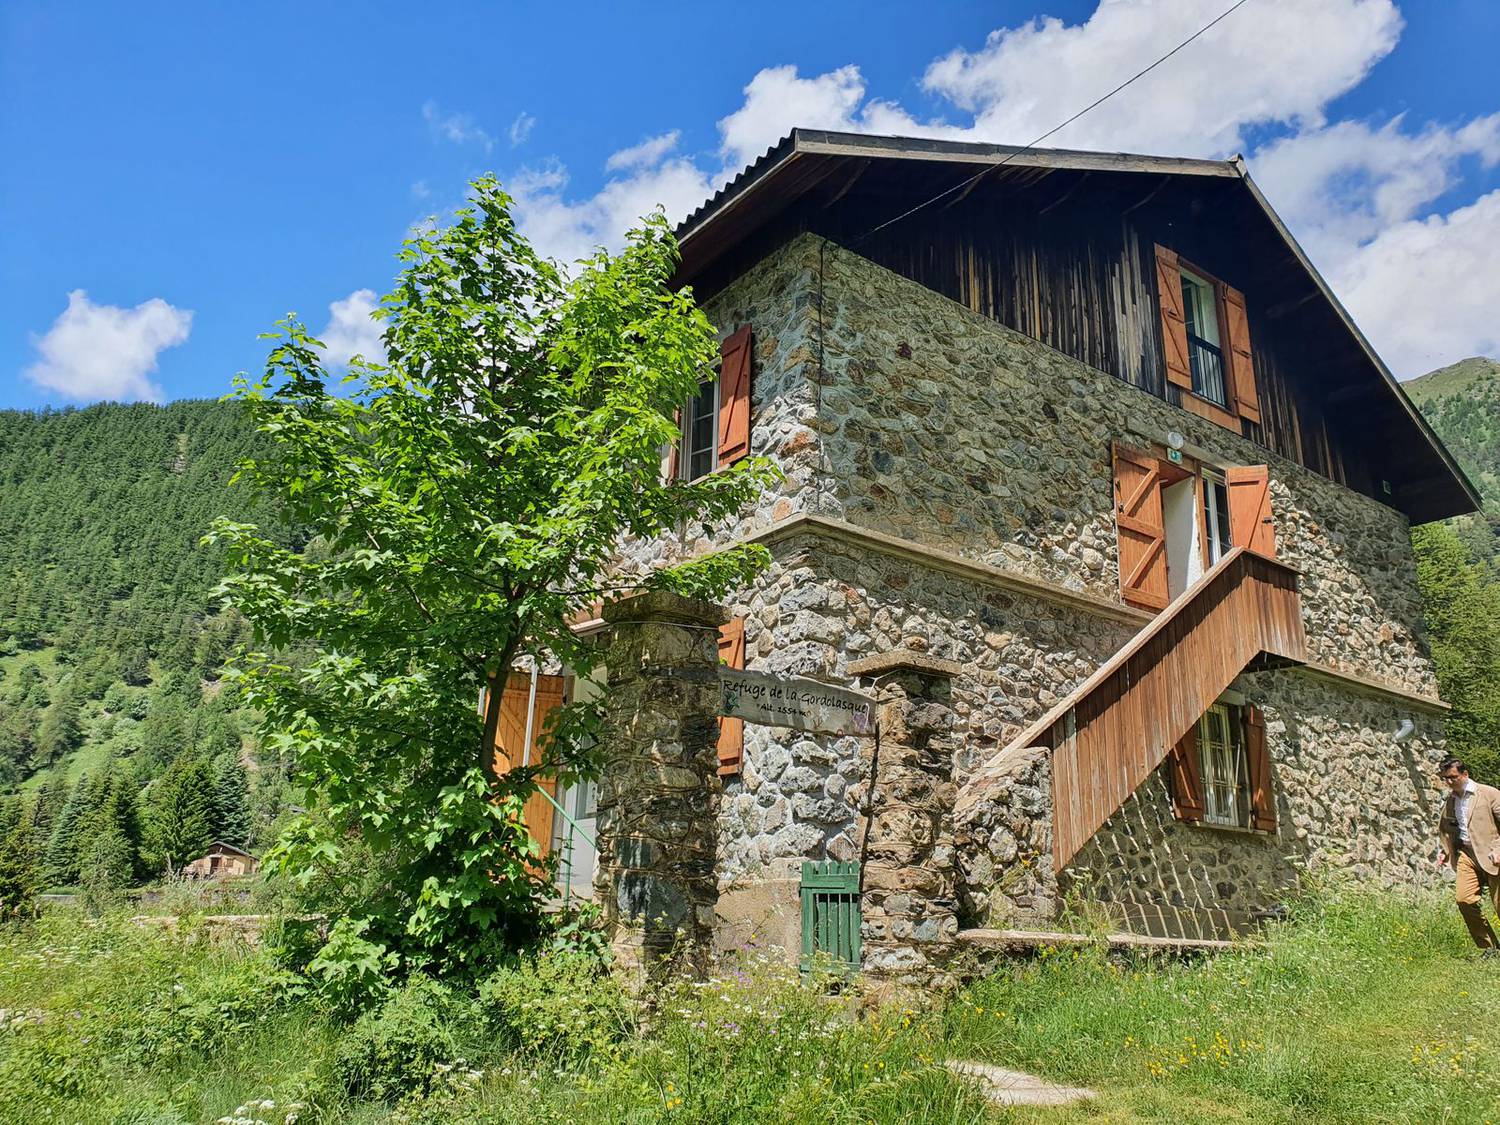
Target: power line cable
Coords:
[[988, 168]]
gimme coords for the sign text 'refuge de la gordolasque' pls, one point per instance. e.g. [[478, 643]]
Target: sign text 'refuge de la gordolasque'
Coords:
[[796, 703]]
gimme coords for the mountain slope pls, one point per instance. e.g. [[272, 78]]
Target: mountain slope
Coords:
[[104, 615], [1462, 402]]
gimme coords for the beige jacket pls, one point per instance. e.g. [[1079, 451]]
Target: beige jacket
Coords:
[[1484, 828]]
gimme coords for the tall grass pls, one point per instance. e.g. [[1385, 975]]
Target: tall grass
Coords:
[[1361, 1008]]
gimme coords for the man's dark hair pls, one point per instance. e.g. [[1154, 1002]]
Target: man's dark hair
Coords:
[[1451, 762]]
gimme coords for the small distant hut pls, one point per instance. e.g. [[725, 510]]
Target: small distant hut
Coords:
[[221, 861]]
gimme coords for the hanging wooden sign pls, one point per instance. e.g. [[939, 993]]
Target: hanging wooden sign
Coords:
[[785, 701]]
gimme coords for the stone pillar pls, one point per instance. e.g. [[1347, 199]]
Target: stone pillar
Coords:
[[659, 788], [910, 910], [1002, 830]]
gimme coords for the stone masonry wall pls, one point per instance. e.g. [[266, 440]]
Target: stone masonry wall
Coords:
[[778, 298], [827, 602], [919, 419], [1348, 797], [945, 427]]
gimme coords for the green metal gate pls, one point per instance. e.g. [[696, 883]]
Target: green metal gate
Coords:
[[830, 914]]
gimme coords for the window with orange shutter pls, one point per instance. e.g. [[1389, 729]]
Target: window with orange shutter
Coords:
[[1206, 350], [715, 423]]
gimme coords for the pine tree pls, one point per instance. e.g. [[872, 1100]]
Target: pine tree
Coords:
[[19, 874], [179, 820], [231, 801], [60, 868], [117, 820], [60, 732]]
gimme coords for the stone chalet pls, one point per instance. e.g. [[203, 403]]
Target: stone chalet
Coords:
[[1090, 476]]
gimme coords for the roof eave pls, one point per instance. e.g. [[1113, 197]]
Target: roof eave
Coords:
[[1390, 380]]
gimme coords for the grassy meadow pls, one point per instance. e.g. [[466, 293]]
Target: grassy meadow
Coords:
[[1361, 1008]]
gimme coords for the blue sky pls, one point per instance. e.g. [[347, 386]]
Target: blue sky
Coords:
[[178, 176]]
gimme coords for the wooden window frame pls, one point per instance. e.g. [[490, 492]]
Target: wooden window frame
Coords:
[[682, 454], [729, 432], [1192, 401], [1230, 417], [1190, 772]]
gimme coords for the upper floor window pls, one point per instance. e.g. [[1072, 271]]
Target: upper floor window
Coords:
[[1200, 308], [1174, 520], [698, 454], [714, 425], [1215, 499], [1205, 333]]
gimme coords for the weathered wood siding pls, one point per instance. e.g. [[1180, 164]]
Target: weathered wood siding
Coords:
[[1073, 266]]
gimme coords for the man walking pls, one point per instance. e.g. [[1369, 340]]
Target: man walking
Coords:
[[1470, 832]]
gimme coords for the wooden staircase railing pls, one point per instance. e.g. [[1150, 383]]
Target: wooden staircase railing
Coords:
[[1110, 733]]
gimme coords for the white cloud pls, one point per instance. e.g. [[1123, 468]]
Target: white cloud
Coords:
[[520, 128], [1355, 193], [1341, 185], [94, 352], [1274, 61], [456, 127], [351, 330], [647, 154], [778, 100], [1426, 291], [569, 231]]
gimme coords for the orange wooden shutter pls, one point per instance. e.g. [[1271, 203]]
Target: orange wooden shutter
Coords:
[[1258, 755], [1174, 345], [1140, 529], [1250, 522], [511, 749], [676, 448], [1186, 776], [732, 731], [1246, 401], [734, 397]]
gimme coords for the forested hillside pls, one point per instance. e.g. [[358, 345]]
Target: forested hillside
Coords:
[[1459, 561], [118, 753], [111, 721]]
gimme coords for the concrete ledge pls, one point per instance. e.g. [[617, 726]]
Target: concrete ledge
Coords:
[[904, 660], [1371, 685], [986, 573], [1016, 941]]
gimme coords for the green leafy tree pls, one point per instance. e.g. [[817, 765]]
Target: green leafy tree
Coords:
[[179, 816], [1463, 618], [470, 496]]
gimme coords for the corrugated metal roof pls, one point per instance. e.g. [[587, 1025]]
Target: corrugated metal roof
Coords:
[[831, 143]]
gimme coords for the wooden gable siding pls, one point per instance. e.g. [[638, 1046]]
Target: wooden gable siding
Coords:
[[1078, 273]]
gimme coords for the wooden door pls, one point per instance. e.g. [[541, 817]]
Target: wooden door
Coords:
[[512, 749], [1251, 524], [1141, 532]]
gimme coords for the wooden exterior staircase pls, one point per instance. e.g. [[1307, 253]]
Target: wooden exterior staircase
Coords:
[[1120, 723]]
